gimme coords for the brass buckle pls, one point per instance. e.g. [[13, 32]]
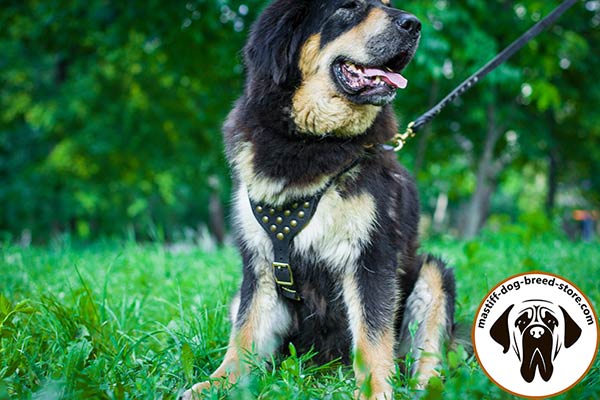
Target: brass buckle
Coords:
[[281, 266]]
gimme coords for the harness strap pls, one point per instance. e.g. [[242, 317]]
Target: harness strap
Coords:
[[282, 224]]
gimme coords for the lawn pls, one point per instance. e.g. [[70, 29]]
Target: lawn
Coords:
[[140, 321]]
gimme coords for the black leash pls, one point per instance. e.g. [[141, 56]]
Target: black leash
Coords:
[[415, 126]]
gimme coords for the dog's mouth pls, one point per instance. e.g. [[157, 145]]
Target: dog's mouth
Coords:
[[537, 355], [374, 84]]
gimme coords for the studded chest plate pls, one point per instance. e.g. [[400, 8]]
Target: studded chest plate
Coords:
[[282, 224]]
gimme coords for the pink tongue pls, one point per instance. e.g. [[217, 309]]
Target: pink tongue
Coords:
[[391, 78]]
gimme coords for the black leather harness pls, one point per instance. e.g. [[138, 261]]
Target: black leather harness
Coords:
[[282, 224]]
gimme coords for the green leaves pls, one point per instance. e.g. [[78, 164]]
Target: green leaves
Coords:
[[126, 107], [187, 361], [110, 112], [9, 313]]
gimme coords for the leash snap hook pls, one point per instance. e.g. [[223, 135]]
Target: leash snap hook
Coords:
[[401, 138]]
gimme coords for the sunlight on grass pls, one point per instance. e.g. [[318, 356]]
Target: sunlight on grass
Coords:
[[120, 321]]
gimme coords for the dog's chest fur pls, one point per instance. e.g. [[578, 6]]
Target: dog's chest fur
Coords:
[[333, 239]]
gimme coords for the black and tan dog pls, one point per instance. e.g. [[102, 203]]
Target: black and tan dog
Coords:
[[326, 218], [537, 331]]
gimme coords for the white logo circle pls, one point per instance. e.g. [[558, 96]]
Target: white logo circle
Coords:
[[536, 335]]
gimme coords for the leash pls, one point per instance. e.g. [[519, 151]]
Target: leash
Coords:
[[401, 138]]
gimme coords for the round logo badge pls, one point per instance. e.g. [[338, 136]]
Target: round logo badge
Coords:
[[536, 335]]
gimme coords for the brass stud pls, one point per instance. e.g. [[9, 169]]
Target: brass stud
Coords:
[[301, 214], [294, 223], [306, 205], [287, 213], [286, 230], [259, 209], [265, 219], [280, 236], [279, 208], [279, 220], [273, 228], [295, 205], [272, 211]]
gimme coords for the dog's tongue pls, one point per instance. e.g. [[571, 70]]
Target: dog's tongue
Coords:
[[391, 78]]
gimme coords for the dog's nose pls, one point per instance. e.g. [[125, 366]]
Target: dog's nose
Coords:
[[536, 332], [409, 23]]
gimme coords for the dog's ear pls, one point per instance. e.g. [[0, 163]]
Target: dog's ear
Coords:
[[500, 332], [572, 330], [275, 40]]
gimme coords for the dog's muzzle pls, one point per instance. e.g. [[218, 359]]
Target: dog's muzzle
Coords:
[[537, 352]]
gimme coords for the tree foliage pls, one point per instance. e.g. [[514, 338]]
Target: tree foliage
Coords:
[[110, 112]]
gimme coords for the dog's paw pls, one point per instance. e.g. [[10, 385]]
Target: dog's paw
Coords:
[[195, 393], [425, 376], [375, 396]]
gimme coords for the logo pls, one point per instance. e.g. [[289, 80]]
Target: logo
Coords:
[[536, 335]]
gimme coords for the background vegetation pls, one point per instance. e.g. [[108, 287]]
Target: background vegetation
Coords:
[[110, 115], [111, 157]]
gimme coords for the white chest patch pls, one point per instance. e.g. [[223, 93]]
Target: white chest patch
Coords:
[[251, 233], [339, 230], [336, 235]]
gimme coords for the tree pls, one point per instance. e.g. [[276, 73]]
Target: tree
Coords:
[[511, 116], [111, 112]]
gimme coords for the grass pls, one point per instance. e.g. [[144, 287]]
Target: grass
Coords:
[[137, 321]]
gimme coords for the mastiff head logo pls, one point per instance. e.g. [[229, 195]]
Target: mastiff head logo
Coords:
[[537, 330]]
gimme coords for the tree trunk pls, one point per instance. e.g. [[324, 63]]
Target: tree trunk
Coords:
[[552, 182], [478, 208], [423, 137], [487, 171], [441, 210], [215, 211]]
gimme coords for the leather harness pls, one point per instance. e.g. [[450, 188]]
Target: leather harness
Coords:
[[282, 224]]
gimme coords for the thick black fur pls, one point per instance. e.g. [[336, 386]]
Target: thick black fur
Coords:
[[262, 116]]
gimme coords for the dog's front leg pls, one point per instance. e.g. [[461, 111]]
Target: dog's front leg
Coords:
[[371, 315], [259, 319]]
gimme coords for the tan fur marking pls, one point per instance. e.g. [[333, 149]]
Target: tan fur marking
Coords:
[[309, 56], [376, 362], [373, 359], [317, 106], [433, 324], [386, 2]]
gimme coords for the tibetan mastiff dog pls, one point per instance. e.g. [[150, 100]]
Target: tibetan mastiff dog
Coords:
[[326, 219]]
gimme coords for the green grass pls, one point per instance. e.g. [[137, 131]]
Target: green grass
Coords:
[[131, 321]]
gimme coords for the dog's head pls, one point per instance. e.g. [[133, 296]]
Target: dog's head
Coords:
[[537, 331], [339, 60]]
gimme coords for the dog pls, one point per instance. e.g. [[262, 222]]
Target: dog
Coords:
[[537, 330], [326, 218]]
